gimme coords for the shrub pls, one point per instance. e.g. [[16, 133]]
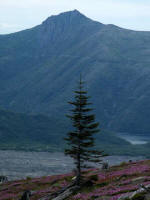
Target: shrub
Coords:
[[139, 196]]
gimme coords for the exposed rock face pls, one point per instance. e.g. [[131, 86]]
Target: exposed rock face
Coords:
[[66, 193], [141, 194], [138, 179], [57, 28]]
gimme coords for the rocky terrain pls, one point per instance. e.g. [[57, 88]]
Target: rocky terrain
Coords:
[[17, 165], [124, 181]]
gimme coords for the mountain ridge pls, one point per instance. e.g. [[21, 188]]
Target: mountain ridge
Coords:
[[74, 13], [39, 70]]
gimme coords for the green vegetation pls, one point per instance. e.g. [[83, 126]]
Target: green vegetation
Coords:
[[41, 133], [81, 140], [28, 132], [140, 196], [117, 181]]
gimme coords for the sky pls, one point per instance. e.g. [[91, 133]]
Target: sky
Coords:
[[16, 15]]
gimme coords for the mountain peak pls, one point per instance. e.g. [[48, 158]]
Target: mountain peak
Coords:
[[72, 12], [65, 24], [75, 13], [69, 13], [73, 16]]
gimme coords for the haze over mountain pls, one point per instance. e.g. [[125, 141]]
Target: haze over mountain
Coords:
[[40, 67]]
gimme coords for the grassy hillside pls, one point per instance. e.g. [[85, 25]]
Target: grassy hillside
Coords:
[[117, 181]]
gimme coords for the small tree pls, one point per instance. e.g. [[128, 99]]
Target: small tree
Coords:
[[81, 139]]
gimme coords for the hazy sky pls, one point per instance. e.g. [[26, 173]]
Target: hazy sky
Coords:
[[17, 15]]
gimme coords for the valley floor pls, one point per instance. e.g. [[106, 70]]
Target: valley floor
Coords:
[[21, 164]]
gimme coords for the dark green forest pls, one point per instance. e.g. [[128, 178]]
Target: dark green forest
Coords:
[[40, 133]]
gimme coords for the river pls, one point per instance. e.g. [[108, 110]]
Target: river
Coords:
[[19, 164]]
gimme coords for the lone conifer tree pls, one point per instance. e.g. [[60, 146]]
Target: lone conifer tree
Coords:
[[81, 140]]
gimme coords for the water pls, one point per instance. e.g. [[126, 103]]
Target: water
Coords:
[[19, 165], [134, 139]]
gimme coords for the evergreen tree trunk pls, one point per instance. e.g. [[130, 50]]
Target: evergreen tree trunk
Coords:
[[78, 178]]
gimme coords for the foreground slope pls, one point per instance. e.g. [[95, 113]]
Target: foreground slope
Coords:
[[39, 68], [117, 181]]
